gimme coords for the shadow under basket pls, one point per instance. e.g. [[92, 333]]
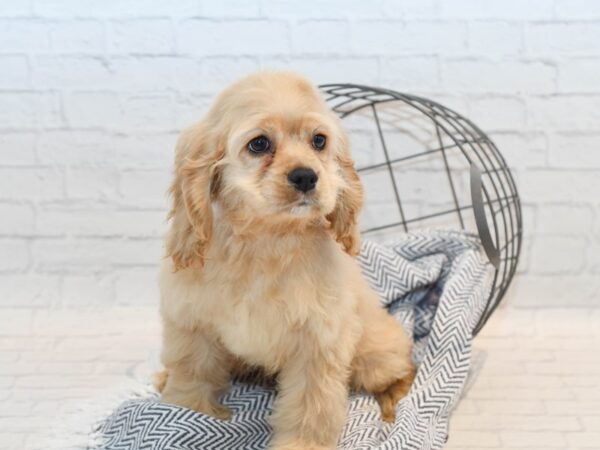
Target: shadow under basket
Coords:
[[426, 166]]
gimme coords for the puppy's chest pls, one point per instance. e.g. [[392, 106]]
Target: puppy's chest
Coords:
[[266, 318]]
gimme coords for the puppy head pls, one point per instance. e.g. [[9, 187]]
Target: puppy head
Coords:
[[269, 154]]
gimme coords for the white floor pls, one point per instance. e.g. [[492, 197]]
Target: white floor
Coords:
[[536, 382]]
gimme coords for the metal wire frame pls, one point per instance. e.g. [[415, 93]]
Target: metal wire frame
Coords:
[[454, 133]]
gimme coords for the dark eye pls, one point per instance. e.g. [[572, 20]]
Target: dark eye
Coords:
[[260, 144], [319, 141]]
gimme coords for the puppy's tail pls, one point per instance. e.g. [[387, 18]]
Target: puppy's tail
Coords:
[[159, 380]]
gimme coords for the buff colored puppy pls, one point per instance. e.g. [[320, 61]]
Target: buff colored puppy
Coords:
[[260, 269]]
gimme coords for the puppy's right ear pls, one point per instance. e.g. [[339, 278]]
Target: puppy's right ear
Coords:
[[195, 183]]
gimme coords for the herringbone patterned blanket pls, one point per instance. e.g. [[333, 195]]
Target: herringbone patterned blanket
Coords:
[[435, 283]]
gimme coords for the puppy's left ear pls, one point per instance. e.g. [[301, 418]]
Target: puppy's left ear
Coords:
[[344, 217]]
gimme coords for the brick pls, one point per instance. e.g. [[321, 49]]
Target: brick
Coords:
[[125, 8], [13, 439], [81, 36], [399, 38], [409, 9], [579, 76], [328, 70], [80, 255], [315, 36], [564, 219], [17, 219], [233, 8], [518, 394], [155, 113], [143, 150], [538, 291], [15, 72], [23, 35], [137, 287], [92, 183], [550, 112], [591, 422], [585, 439], [18, 368], [593, 253], [498, 113], [206, 37], [15, 9], [322, 69], [579, 381], [326, 9], [578, 407], [507, 325], [510, 9], [558, 255], [568, 39], [548, 439], [20, 324], [575, 151], [43, 381], [108, 347], [525, 381], [90, 324], [71, 72], [29, 110], [66, 147], [14, 254], [474, 439], [85, 291], [508, 77], [521, 150], [577, 9], [572, 186], [31, 290], [466, 406], [411, 73], [514, 423], [563, 322], [511, 407], [17, 149], [146, 188], [219, 71], [30, 183], [93, 109], [493, 39], [141, 36], [168, 73], [82, 220]]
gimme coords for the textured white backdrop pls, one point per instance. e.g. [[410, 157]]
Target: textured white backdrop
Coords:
[[94, 93]]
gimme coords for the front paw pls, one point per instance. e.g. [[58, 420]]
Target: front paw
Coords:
[[200, 405], [392, 394]]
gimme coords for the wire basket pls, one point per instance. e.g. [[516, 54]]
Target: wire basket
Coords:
[[437, 168]]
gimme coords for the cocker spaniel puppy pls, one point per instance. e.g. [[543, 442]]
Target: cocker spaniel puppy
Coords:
[[260, 269]]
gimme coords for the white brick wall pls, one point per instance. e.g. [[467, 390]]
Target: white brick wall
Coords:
[[93, 95]]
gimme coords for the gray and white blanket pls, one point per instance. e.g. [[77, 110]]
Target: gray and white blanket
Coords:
[[436, 283]]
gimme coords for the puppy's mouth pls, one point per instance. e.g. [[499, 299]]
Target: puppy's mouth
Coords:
[[304, 204]]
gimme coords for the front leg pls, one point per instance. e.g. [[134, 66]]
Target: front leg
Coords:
[[311, 406], [197, 370]]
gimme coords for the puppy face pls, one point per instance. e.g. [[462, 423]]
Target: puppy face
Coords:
[[270, 153], [280, 156]]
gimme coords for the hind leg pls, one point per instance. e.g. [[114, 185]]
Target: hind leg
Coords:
[[382, 362]]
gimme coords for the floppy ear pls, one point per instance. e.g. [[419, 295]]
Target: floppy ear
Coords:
[[344, 217], [196, 181]]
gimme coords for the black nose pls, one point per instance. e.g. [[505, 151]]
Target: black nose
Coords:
[[303, 179]]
